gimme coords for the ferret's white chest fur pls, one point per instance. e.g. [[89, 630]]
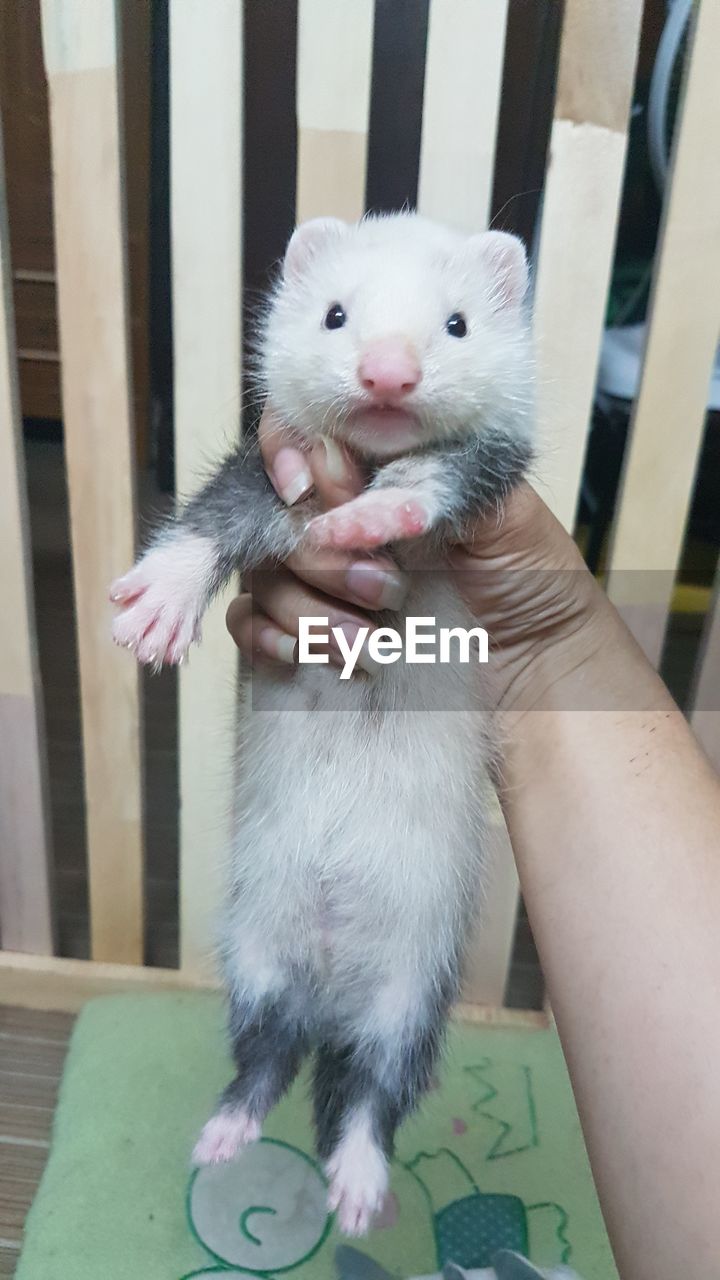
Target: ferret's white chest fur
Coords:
[[357, 848]]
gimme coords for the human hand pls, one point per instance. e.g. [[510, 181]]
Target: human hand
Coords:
[[314, 582], [524, 579], [520, 574]]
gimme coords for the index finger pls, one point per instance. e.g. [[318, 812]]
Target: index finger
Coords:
[[296, 469], [285, 462]]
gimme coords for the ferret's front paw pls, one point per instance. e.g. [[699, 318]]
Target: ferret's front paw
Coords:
[[224, 1135], [358, 1184], [371, 520], [162, 600]]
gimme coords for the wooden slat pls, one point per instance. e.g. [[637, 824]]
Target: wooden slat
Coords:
[[80, 46], [25, 906], [684, 324], [489, 956], [35, 982], [333, 103], [206, 155], [706, 695], [463, 72], [587, 155], [582, 191]]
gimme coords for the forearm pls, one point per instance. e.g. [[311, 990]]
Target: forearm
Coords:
[[615, 821]]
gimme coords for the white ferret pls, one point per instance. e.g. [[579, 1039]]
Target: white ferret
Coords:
[[358, 849]]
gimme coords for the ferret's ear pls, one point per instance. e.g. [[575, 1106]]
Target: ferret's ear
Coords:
[[307, 241], [503, 255]]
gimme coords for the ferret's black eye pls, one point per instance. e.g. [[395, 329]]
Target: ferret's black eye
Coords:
[[335, 317], [456, 325]]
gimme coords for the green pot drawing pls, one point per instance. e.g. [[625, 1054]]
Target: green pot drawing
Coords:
[[471, 1226]]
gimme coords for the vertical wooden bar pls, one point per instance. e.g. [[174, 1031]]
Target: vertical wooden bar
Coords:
[[25, 899], [206, 167], [598, 52], [489, 954], [81, 58], [463, 73], [684, 323], [582, 193], [334, 62], [705, 716]]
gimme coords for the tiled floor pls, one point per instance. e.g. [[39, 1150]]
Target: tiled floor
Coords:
[[32, 1053]]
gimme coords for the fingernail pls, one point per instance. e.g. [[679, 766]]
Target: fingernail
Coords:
[[277, 644], [334, 460], [292, 475], [381, 587]]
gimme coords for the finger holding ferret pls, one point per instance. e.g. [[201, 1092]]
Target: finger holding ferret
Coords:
[[297, 469], [257, 637]]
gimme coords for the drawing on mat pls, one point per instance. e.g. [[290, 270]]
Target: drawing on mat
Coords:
[[506, 1085], [265, 1213]]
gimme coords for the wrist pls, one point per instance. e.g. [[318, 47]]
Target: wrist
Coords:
[[592, 663]]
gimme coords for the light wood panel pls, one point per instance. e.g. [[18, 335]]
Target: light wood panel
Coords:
[[33, 982], [25, 900], [706, 695], [585, 167], [334, 60], [490, 952], [206, 156], [463, 73], [582, 192], [684, 324], [80, 47]]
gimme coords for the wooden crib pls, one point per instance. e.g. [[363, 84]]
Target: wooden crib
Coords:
[[337, 42], [462, 84]]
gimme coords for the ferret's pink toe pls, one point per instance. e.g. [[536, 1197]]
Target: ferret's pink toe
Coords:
[[224, 1135], [358, 1178], [370, 521]]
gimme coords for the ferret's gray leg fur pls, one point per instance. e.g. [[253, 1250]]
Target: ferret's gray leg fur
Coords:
[[239, 512], [460, 480], [268, 1045]]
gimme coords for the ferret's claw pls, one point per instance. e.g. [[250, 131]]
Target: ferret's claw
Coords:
[[161, 601]]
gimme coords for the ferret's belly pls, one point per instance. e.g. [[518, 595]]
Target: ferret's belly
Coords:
[[359, 827]]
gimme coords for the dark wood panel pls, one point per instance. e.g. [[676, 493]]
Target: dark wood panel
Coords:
[[35, 317], [26, 133], [398, 79]]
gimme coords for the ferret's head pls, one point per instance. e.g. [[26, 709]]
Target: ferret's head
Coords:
[[396, 333]]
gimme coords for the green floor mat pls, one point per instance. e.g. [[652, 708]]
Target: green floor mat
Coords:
[[495, 1159]]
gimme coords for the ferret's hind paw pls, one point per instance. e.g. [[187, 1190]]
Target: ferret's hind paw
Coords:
[[371, 520], [224, 1135], [358, 1184]]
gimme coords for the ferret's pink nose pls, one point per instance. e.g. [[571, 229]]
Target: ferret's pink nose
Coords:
[[389, 370]]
